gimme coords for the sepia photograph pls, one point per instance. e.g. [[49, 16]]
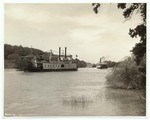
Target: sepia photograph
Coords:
[[75, 59]]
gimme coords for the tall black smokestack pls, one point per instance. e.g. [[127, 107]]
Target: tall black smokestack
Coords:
[[65, 52], [59, 52]]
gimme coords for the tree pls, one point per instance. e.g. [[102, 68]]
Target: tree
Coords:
[[13, 57], [110, 63], [81, 63], [125, 75], [140, 48]]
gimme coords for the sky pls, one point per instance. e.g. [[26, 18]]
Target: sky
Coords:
[[48, 26]]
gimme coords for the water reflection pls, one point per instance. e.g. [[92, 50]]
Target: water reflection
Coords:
[[74, 102], [125, 102]]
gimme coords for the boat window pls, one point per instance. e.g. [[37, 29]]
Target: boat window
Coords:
[[62, 65]]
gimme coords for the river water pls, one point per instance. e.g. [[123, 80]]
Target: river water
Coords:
[[75, 93]]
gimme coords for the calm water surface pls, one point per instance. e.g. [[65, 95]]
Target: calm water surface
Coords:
[[81, 92]]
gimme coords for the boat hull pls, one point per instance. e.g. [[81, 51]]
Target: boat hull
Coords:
[[102, 66], [47, 70]]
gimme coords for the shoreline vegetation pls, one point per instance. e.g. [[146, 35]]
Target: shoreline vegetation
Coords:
[[13, 53], [131, 73], [128, 75]]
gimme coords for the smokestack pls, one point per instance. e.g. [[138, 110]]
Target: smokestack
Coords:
[[59, 52], [65, 52]]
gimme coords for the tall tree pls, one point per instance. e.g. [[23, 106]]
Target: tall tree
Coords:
[[139, 50], [140, 30]]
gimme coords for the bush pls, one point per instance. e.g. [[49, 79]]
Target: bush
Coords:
[[125, 75], [13, 57], [142, 70]]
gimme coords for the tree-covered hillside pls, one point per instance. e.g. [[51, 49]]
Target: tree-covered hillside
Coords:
[[13, 53]]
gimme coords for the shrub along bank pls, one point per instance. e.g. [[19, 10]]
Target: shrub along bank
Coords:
[[128, 75]]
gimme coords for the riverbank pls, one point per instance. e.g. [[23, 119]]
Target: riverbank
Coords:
[[127, 75]]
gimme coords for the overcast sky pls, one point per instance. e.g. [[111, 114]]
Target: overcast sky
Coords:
[[76, 26]]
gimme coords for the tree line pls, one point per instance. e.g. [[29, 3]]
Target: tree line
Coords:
[[131, 73], [12, 53]]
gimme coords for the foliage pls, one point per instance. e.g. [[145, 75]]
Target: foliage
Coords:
[[136, 78], [140, 48], [9, 63], [96, 6], [25, 62], [125, 75], [142, 70], [20, 50], [14, 55], [81, 63], [110, 63]]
